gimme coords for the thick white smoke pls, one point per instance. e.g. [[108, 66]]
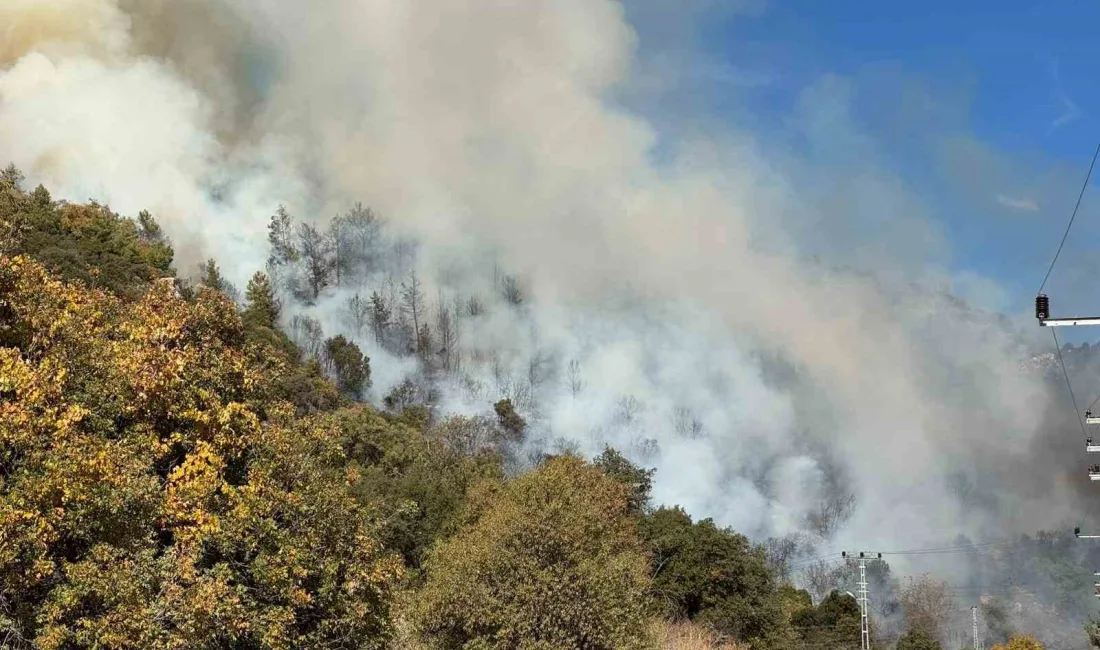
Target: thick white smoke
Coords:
[[678, 282]]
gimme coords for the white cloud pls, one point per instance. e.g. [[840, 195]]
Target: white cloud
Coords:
[[1024, 204]]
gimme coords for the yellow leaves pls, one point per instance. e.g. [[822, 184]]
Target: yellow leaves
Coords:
[[14, 373], [134, 447], [300, 597], [191, 489], [1021, 642], [110, 580], [51, 310], [26, 538]]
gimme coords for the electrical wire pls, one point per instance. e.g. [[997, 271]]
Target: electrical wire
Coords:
[[1065, 373], [1089, 408], [1071, 218], [981, 548], [805, 562]]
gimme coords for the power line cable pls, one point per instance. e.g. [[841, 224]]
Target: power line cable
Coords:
[[1065, 373], [1089, 408], [981, 546], [1071, 219]]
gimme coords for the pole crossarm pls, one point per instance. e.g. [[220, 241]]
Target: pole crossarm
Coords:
[[1074, 321], [1078, 535], [1042, 314]]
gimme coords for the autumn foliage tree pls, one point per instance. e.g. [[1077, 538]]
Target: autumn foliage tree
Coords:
[[1019, 643], [154, 493]]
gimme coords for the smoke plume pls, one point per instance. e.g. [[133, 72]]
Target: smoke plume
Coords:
[[672, 304]]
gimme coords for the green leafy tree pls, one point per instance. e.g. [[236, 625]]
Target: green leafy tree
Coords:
[[510, 421], [159, 252], [351, 368], [835, 622], [713, 575], [12, 178], [88, 243], [1092, 631], [918, 640], [794, 599], [549, 560], [308, 389], [640, 481], [417, 486], [354, 237], [315, 247]]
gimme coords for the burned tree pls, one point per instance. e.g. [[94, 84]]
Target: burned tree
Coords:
[[412, 308]]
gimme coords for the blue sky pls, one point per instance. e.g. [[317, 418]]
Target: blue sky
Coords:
[[1028, 64], [982, 112]]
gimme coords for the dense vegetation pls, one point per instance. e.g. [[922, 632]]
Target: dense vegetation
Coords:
[[177, 472]]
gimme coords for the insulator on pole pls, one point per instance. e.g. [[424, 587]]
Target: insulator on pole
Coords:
[[1042, 307]]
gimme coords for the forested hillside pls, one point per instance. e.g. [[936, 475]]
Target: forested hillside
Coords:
[[177, 472]]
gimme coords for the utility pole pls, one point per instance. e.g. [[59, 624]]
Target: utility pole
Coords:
[[864, 599], [974, 614]]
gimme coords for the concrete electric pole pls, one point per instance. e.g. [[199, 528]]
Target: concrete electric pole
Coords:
[[864, 596]]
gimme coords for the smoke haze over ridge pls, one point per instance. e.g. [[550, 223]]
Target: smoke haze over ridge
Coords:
[[675, 267]]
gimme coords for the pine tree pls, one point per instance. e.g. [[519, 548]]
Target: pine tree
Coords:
[[263, 307], [511, 291], [380, 317], [211, 276], [280, 236], [283, 259], [150, 229], [11, 178]]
